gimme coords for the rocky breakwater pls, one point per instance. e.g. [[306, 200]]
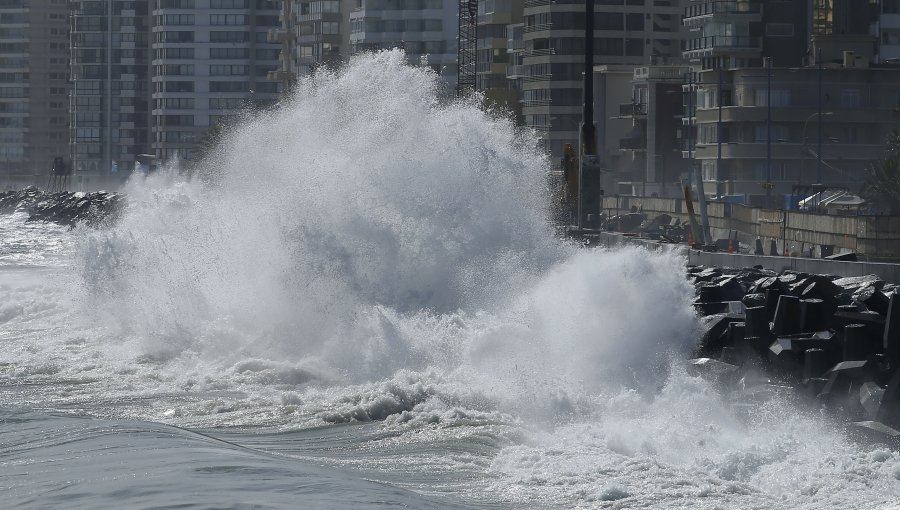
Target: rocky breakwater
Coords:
[[830, 342], [65, 207]]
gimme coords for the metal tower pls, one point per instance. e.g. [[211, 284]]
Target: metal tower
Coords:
[[467, 56]]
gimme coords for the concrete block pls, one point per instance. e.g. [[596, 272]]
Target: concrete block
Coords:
[[752, 300], [787, 316], [870, 395], [873, 299], [813, 315], [876, 431], [855, 343], [863, 371], [714, 335], [889, 412], [815, 363], [891, 336]]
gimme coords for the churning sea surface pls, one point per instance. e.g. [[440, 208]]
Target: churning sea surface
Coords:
[[358, 302]]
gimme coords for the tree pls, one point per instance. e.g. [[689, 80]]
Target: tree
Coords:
[[882, 185]]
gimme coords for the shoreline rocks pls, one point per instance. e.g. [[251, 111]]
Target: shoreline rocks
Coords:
[[65, 207], [835, 342]]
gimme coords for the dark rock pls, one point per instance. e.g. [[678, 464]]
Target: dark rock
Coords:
[[753, 300], [812, 387], [870, 395], [772, 296], [712, 370], [757, 330], [856, 343], [889, 412], [715, 329], [853, 283], [873, 299], [891, 337], [815, 363], [813, 315], [876, 431], [787, 316], [862, 371]]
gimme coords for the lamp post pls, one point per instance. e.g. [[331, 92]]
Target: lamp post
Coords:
[[768, 132], [806, 149], [819, 155]]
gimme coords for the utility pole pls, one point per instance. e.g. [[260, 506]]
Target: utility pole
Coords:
[[819, 150], [719, 131], [588, 185], [768, 132]]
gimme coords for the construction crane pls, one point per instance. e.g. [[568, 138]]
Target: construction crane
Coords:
[[467, 56]]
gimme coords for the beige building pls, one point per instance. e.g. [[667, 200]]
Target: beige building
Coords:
[[493, 55], [34, 48]]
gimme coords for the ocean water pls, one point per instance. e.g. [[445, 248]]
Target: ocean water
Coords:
[[359, 302]]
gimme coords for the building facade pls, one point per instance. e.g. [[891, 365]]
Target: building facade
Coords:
[[627, 32], [493, 55], [109, 109], [34, 43], [211, 60], [655, 109], [425, 29]]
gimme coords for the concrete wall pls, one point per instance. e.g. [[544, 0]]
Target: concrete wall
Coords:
[[888, 272], [875, 237]]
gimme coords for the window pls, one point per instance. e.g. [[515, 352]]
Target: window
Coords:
[[177, 103], [173, 37], [634, 21], [229, 4], [227, 70], [779, 134], [227, 19], [229, 86], [231, 36], [780, 97], [229, 53], [225, 103], [850, 98], [779, 29], [179, 86]]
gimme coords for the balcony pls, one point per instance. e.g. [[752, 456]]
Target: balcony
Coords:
[[280, 35], [540, 27], [721, 45], [632, 109], [632, 144], [700, 13]]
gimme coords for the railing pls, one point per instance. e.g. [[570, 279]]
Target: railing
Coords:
[[721, 41], [539, 53], [538, 28], [631, 109], [722, 7], [631, 144]]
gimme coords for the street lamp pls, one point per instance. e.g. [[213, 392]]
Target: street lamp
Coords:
[[806, 148]]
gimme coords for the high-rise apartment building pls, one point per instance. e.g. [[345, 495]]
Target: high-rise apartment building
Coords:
[[425, 29], [785, 98], [635, 32], [322, 33], [109, 109], [887, 29], [211, 59], [34, 44], [492, 52]]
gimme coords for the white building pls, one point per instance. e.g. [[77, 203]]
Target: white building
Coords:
[[211, 59]]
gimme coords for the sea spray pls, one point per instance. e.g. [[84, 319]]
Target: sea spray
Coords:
[[365, 227], [368, 255]]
